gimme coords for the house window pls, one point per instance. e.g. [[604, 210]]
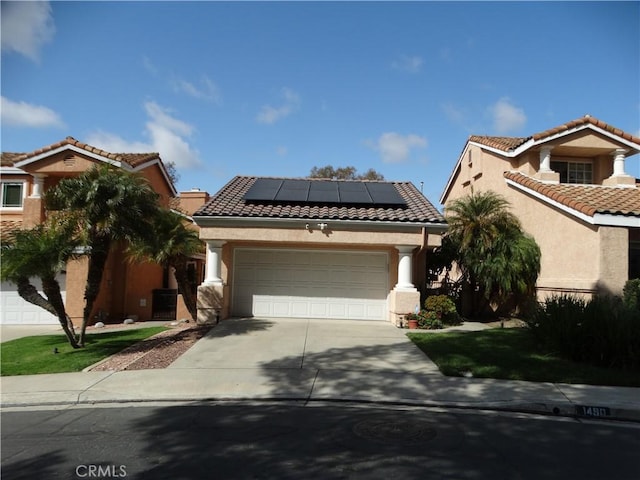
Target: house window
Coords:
[[12, 194], [574, 172]]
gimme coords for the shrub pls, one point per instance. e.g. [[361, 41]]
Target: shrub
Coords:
[[429, 320], [631, 293], [603, 331], [443, 308]]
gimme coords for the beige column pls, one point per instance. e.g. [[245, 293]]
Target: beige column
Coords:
[[213, 262], [619, 176], [211, 293]]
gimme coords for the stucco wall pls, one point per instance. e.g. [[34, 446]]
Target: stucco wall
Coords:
[[614, 259], [577, 257], [336, 238], [334, 235]]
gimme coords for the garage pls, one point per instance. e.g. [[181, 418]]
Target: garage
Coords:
[[305, 283], [17, 311]]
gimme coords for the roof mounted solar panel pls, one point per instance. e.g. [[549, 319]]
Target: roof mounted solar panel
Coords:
[[293, 191], [385, 194], [354, 192], [264, 189], [324, 192]]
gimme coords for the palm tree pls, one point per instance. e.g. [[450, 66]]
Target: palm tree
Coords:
[[111, 205], [42, 252], [173, 244], [495, 257]]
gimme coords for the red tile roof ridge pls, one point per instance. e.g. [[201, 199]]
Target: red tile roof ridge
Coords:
[[511, 143], [131, 158], [319, 179]]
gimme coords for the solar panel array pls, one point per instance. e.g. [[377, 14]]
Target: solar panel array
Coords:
[[308, 191]]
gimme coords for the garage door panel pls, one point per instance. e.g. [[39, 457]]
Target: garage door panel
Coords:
[[15, 310], [310, 284]]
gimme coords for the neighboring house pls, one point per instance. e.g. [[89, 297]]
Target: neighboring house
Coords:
[[569, 188], [144, 291], [315, 248]]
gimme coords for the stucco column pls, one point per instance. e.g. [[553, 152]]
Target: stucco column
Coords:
[[545, 173], [618, 162], [38, 184], [213, 262], [405, 264], [619, 177], [545, 159]]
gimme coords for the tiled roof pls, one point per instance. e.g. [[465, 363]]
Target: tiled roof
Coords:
[[501, 143], [586, 199], [9, 158], [133, 159], [229, 202], [511, 143]]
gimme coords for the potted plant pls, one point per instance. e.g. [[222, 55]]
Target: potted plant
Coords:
[[412, 320]]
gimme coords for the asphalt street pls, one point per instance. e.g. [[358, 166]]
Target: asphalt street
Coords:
[[283, 440]]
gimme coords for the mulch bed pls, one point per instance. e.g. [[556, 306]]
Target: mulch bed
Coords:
[[158, 351]]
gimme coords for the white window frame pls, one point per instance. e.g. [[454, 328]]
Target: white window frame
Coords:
[[4, 183], [574, 161]]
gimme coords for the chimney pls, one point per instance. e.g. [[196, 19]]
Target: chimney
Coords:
[[192, 200]]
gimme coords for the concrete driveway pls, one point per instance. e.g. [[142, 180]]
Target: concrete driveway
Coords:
[[306, 344]]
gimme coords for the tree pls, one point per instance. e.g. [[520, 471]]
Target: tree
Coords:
[[110, 205], [495, 258], [42, 252], [344, 173], [172, 245]]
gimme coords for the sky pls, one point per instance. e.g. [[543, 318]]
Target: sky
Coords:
[[276, 88]]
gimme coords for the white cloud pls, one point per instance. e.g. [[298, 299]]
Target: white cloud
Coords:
[[507, 117], [455, 114], [167, 136], [26, 27], [149, 66], [22, 114], [396, 148], [411, 64], [270, 114], [282, 150], [205, 90]]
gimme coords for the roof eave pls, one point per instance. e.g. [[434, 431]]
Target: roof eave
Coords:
[[602, 219], [73, 148], [227, 221], [163, 169]]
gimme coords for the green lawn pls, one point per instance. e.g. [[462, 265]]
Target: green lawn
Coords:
[[32, 355], [513, 354]]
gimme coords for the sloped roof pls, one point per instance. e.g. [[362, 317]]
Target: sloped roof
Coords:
[[9, 159], [514, 146], [229, 202], [508, 144], [586, 199]]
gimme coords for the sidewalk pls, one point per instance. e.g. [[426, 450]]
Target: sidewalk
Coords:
[[335, 365], [411, 388]]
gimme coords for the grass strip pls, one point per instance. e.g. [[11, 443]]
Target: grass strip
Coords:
[[511, 354], [35, 355]]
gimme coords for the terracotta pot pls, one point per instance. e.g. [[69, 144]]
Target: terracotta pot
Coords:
[[413, 324]]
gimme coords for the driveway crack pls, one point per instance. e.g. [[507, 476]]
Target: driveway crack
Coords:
[[304, 346]]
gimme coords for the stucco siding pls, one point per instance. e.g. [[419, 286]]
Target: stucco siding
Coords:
[[614, 259], [570, 248], [332, 236]]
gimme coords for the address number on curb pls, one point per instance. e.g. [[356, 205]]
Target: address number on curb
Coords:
[[589, 411]]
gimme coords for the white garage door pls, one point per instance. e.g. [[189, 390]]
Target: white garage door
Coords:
[[310, 284], [14, 310]]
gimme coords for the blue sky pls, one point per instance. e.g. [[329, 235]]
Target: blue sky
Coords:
[[275, 88]]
